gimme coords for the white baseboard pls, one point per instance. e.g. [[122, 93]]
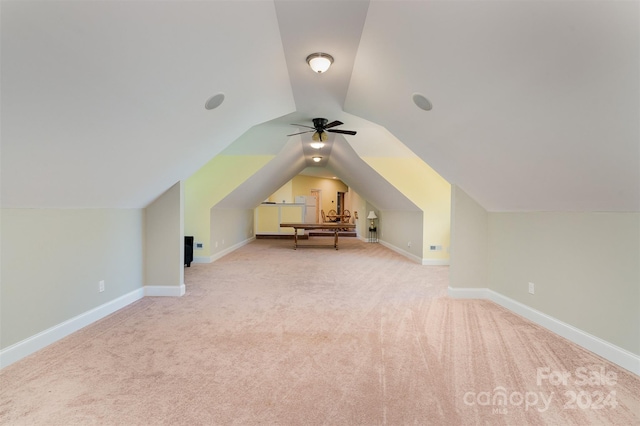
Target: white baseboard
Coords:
[[606, 350], [164, 290], [38, 341], [398, 250], [417, 259], [216, 256]]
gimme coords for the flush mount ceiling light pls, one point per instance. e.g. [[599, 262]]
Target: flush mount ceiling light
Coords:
[[317, 145], [319, 62], [317, 158]]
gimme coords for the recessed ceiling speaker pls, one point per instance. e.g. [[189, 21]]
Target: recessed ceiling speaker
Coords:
[[422, 102], [215, 101]]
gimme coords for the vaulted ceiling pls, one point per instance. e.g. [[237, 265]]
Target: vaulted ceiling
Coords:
[[535, 104]]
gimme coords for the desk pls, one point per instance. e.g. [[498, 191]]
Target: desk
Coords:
[[335, 227]]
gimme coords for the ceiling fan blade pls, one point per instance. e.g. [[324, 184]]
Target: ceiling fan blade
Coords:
[[344, 132], [307, 131], [302, 125], [333, 124]]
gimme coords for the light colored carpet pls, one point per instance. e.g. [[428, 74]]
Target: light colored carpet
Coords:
[[269, 335]]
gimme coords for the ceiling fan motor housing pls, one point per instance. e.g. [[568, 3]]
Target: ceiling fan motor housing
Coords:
[[320, 123]]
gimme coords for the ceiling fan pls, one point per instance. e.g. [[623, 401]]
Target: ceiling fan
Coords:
[[320, 128]]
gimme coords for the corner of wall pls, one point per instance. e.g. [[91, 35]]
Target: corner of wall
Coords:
[[469, 242]]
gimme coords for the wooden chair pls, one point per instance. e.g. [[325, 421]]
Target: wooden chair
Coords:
[[346, 216], [324, 218]]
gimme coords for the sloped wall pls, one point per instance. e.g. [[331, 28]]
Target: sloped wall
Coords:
[[429, 191], [584, 267], [53, 259], [229, 228], [205, 188]]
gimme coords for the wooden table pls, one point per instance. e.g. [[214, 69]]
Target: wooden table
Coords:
[[334, 226], [338, 217]]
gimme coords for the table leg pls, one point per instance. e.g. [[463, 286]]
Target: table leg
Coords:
[[295, 239], [335, 241]]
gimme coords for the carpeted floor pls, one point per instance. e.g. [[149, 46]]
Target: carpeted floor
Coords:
[[360, 336]]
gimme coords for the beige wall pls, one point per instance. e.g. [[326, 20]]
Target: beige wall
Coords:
[[53, 259], [229, 227], [359, 206], [401, 229], [164, 239], [469, 242], [585, 267]]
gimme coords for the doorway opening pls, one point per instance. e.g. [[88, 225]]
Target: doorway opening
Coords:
[[340, 202]]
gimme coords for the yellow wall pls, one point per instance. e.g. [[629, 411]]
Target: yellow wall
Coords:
[[427, 190], [302, 185], [284, 194], [214, 181]]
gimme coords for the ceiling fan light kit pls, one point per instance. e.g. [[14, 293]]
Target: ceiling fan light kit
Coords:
[[319, 62], [319, 136], [317, 158]]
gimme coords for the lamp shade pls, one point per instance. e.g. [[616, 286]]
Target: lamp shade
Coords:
[[372, 215], [319, 62]]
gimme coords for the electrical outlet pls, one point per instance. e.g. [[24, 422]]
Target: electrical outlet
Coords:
[[222, 242], [532, 288], [101, 286], [409, 244], [216, 244]]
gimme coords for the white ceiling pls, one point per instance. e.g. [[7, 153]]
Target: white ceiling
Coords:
[[536, 104]]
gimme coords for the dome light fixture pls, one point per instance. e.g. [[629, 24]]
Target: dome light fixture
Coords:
[[319, 62], [317, 158], [317, 145]]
